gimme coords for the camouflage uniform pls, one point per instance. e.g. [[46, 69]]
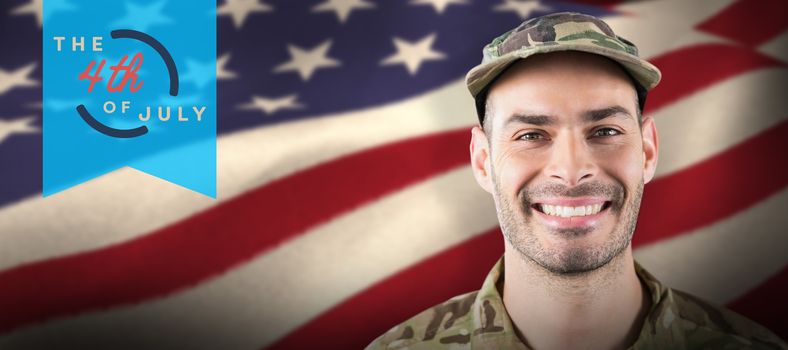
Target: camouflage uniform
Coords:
[[478, 320]]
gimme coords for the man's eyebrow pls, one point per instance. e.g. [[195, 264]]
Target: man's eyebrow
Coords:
[[534, 119], [599, 114]]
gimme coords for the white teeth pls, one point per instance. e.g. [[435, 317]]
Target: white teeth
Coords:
[[557, 210]]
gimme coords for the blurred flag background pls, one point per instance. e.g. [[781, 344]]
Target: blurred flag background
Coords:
[[345, 199]]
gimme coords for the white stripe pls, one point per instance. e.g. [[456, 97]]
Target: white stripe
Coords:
[[777, 47], [657, 27], [719, 117], [103, 211], [261, 301], [723, 261]]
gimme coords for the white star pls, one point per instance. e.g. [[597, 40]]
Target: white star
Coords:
[[306, 62], [438, 5], [341, 7], [523, 8], [272, 105], [221, 71], [35, 8], [240, 9], [16, 126], [17, 78], [412, 55]]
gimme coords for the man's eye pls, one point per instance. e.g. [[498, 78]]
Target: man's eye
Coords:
[[605, 132], [531, 136]]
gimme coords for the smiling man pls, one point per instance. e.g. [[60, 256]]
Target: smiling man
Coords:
[[564, 151]]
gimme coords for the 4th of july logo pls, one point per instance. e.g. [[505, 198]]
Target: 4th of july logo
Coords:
[[113, 96]]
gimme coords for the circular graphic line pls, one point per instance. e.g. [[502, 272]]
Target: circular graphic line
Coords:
[[109, 131], [156, 45], [172, 70]]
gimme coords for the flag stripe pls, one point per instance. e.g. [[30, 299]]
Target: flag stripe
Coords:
[[223, 236], [680, 195], [760, 301], [658, 27], [369, 313], [374, 241], [694, 128], [749, 22], [777, 47], [689, 69], [733, 255], [87, 217]]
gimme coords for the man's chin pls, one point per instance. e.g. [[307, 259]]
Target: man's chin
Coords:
[[576, 264], [574, 256], [570, 233]]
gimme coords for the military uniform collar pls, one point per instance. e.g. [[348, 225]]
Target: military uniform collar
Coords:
[[493, 328]]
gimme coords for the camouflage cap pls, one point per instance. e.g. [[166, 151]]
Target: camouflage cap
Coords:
[[563, 31]]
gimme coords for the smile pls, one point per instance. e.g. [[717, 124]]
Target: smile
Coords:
[[570, 211]]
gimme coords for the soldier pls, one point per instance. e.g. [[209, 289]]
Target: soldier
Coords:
[[564, 151]]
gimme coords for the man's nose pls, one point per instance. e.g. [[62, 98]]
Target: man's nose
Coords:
[[570, 161]]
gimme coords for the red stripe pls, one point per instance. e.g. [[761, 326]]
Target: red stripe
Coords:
[[715, 188], [691, 69], [214, 241], [374, 311], [750, 22], [766, 303]]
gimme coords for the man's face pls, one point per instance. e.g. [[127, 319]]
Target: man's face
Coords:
[[565, 159]]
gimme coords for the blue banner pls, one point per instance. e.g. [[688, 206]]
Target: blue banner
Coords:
[[130, 83]]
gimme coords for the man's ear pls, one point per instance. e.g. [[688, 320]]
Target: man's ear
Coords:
[[650, 148], [480, 158]]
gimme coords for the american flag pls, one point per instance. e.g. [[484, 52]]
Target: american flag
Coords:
[[345, 198]]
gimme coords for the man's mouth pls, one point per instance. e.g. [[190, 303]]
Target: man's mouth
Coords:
[[566, 211], [572, 212]]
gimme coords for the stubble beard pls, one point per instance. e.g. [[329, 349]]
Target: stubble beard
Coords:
[[571, 260]]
